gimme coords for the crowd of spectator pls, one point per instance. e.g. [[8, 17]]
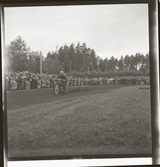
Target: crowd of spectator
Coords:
[[27, 80]]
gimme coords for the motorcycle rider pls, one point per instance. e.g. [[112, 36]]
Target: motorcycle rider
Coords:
[[64, 78]]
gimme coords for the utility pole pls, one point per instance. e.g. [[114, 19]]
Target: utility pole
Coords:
[[87, 64], [70, 65], [106, 66], [40, 64]]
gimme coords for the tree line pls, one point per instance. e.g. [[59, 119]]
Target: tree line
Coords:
[[79, 58]]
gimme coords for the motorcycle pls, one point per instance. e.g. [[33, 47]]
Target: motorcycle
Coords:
[[58, 86]]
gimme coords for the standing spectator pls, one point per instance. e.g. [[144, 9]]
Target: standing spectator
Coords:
[[19, 83], [7, 82], [89, 78], [51, 81], [30, 80]]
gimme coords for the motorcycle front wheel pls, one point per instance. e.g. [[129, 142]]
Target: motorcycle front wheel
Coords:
[[56, 89]]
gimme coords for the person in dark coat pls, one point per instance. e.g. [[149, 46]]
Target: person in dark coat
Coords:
[[20, 82], [64, 78]]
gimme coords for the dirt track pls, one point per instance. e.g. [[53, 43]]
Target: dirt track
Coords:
[[99, 120], [26, 98]]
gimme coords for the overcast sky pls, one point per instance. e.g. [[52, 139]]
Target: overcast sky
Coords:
[[111, 30]]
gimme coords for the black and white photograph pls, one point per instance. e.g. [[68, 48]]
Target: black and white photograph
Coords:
[[78, 81]]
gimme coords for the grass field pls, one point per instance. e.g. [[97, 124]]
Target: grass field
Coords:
[[112, 119]]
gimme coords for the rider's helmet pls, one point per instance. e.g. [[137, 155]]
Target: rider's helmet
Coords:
[[61, 72]]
